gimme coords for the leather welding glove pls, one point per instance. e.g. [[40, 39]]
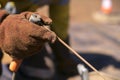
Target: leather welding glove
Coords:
[[21, 38]]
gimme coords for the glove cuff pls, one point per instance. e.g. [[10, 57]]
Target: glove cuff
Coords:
[[3, 15]]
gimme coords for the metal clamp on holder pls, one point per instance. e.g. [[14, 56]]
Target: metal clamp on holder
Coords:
[[83, 72], [10, 7]]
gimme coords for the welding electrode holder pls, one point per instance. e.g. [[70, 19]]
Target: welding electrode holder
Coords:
[[35, 18]]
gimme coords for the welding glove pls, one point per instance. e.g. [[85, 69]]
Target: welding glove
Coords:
[[21, 38]]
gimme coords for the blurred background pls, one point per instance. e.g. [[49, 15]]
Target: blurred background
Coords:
[[94, 33]]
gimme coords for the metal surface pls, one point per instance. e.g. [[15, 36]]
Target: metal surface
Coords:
[[83, 72]]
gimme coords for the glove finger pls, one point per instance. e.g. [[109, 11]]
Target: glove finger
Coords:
[[26, 14], [46, 20]]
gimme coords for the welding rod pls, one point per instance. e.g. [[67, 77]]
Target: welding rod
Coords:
[[80, 57], [36, 19]]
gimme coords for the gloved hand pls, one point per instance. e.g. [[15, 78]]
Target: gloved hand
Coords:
[[21, 38]]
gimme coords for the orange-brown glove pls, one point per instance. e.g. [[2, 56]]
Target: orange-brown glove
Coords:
[[21, 38]]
